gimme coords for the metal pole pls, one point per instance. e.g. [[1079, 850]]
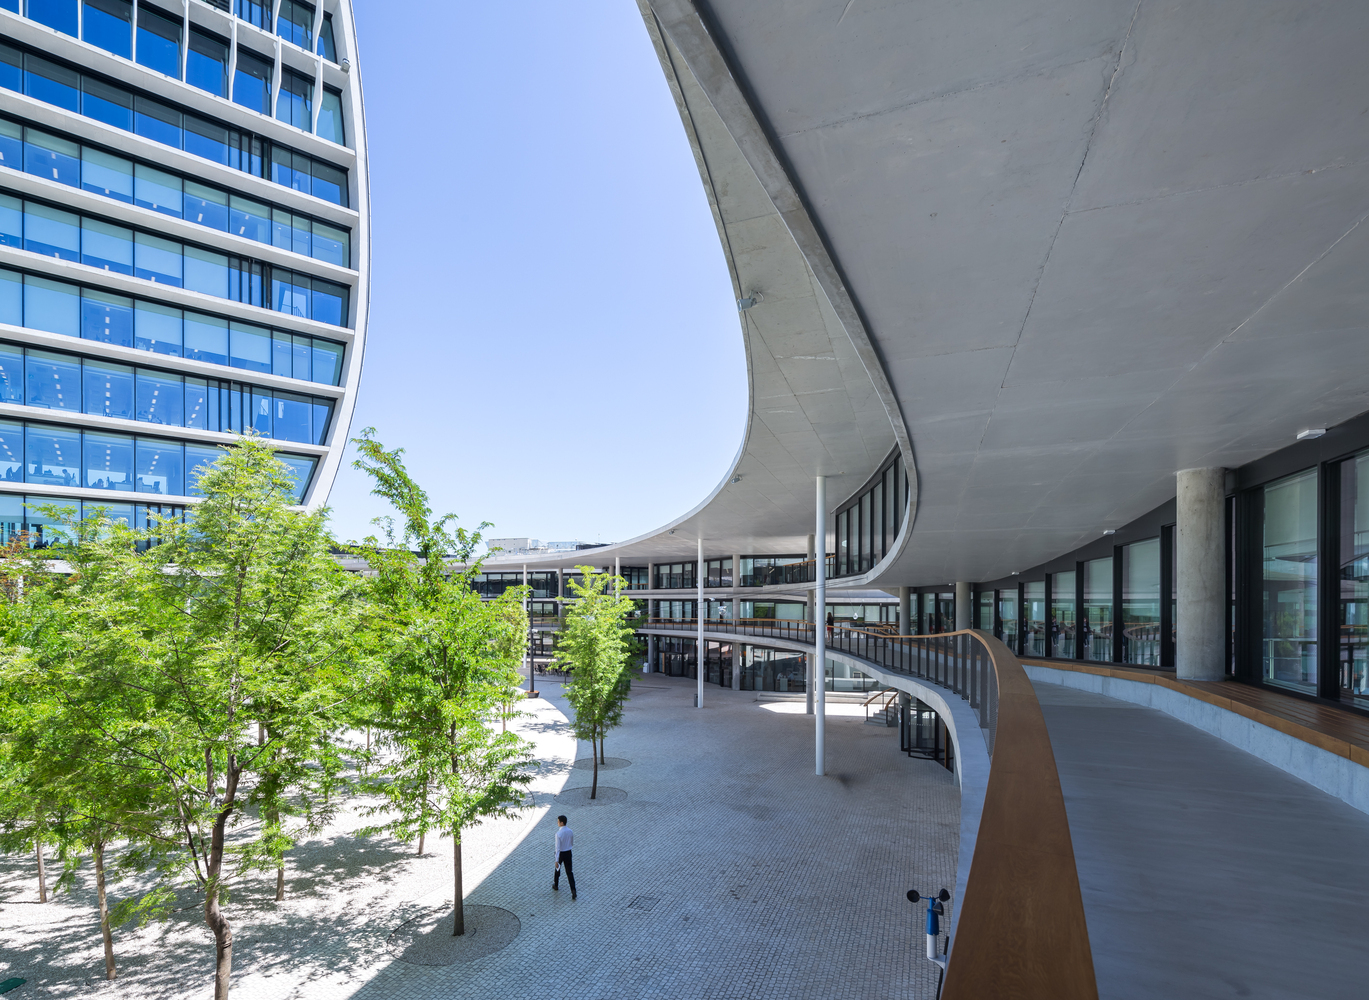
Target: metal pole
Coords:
[[820, 626], [527, 608], [699, 579]]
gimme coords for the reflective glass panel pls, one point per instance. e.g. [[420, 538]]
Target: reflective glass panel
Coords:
[[260, 413], [213, 142], [302, 470], [11, 298], [206, 338], [157, 328], [45, 528], [289, 293], [107, 247], [295, 23], [1290, 582], [252, 82], [1354, 581], [158, 466], [11, 145], [332, 245], [58, 14], [1097, 623], [251, 347], [11, 221], [198, 459], [157, 190], [11, 451], [1141, 603], [159, 42], [330, 183], [256, 12], [202, 404], [295, 103], [292, 418], [299, 357], [107, 388], [50, 83], [106, 318], [206, 64], [1035, 596], [156, 121], [52, 232], [323, 415], [249, 218], [206, 271], [11, 374], [206, 205], [52, 381], [11, 66], [160, 398], [53, 306], [327, 367], [330, 118], [52, 455], [157, 259], [108, 461], [107, 174], [1007, 612], [1062, 614], [107, 103], [51, 158], [109, 24], [327, 46]]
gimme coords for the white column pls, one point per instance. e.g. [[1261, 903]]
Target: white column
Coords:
[[905, 611], [527, 609], [820, 627], [617, 572], [1200, 584], [962, 605], [699, 617]]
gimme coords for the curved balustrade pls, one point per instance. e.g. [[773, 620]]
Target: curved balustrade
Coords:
[[1021, 931]]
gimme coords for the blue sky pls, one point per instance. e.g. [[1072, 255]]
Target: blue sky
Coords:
[[553, 336]]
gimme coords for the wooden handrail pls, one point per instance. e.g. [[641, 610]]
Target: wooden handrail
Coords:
[[1021, 931]]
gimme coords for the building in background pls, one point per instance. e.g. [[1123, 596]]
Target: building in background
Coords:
[[184, 246]]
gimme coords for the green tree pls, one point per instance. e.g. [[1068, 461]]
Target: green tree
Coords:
[[596, 646], [446, 653]]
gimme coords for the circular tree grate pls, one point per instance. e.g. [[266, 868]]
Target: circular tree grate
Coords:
[[607, 764], [580, 796], [427, 939]]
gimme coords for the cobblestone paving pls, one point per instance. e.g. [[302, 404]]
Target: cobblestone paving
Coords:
[[728, 871]]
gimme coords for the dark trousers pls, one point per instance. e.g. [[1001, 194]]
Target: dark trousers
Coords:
[[563, 859]]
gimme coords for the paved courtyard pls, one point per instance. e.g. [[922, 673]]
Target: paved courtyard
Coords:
[[717, 866]]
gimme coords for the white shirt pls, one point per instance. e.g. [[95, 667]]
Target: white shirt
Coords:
[[564, 838]]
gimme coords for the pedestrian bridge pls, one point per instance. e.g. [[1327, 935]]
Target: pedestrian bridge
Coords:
[[1098, 856]]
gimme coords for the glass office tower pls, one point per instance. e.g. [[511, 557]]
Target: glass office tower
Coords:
[[183, 245]]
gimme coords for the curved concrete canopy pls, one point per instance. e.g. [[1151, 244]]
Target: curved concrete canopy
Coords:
[[1082, 244]]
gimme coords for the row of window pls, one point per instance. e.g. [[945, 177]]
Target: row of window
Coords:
[[294, 23], [18, 514], [867, 526], [91, 96], [86, 385], [157, 43], [90, 169], [42, 229], [51, 455], [73, 311]]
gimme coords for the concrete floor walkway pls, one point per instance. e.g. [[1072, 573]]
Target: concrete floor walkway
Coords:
[[1206, 872]]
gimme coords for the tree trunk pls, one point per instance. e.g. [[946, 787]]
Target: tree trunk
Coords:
[[459, 921], [273, 819], [105, 932], [594, 785], [213, 912], [42, 873], [602, 758], [421, 835]]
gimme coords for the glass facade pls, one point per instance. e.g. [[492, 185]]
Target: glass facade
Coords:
[[718, 572], [985, 616], [868, 525], [1008, 618], [90, 168], [1354, 580], [1034, 615], [1063, 622], [52, 232], [772, 670], [1289, 557], [142, 327], [113, 104], [1097, 637], [675, 576], [1141, 603], [769, 571]]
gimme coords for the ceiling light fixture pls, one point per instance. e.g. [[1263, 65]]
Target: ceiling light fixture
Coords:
[[749, 301], [1109, 531], [1314, 432], [736, 480]]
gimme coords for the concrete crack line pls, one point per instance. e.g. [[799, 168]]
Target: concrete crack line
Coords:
[[1088, 146]]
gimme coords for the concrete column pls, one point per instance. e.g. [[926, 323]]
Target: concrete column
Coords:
[[527, 610], [963, 609], [905, 611], [650, 654], [1200, 587], [699, 617], [820, 628]]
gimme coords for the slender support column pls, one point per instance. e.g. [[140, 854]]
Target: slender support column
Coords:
[[905, 611], [1200, 643], [820, 627], [962, 605], [699, 617], [527, 610], [650, 654]]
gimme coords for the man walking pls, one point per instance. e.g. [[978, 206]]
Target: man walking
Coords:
[[565, 838]]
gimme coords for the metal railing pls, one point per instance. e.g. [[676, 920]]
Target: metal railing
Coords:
[[958, 661]]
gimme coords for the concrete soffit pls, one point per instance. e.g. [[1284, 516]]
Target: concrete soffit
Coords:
[[761, 232]]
